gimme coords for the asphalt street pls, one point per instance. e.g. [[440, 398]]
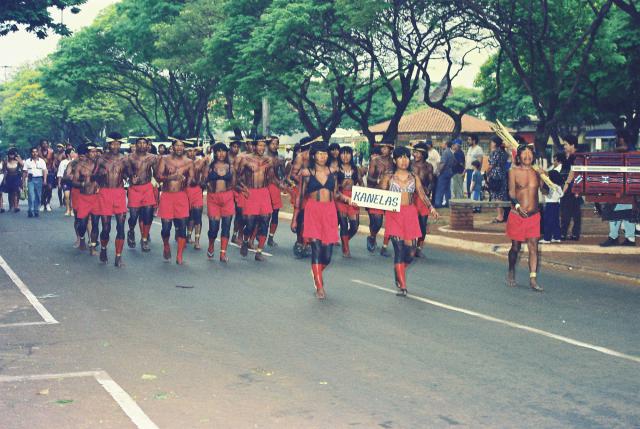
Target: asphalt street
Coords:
[[248, 345]]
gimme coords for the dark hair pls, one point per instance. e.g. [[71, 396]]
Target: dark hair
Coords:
[[571, 140], [497, 140], [162, 145], [334, 146], [34, 147], [315, 148], [144, 139], [68, 151], [474, 137], [521, 149], [352, 163], [560, 157], [153, 150], [115, 136], [421, 147], [83, 149], [399, 152], [449, 144], [428, 143], [220, 146], [556, 177], [12, 151], [476, 164]]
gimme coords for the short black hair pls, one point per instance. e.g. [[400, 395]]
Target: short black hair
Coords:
[[571, 140], [475, 138], [560, 157], [476, 164], [334, 146]]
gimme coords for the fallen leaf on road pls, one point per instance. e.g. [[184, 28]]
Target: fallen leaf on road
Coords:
[[149, 377], [64, 402], [160, 396], [323, 382], [43, 392], [184, 286]]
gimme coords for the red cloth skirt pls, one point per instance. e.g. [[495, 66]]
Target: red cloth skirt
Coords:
[[346, 209], [258, 203], [141, 196], [86, 204], [74, 198], [276, 198], [403, 224], [321, 221], [220, 204], [423, 210], [156, 195], [194, 194], [522, 228], [112, 201], [173, 205], [375, 212]]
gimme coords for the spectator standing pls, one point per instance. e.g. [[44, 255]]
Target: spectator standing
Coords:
[[476, 184], [474, 153], [614, 225], [457, 181], [570, 203], [12, 169], [497, 176], [433, 158], [445, 170], [552, 209], [35, 174]]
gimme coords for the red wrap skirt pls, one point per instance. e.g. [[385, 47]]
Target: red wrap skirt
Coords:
[[403, 224], [141, 196], [321, 221], [86, 204], [74, 198], [173, 205], [423, 210], [276, 198], [258, 203], [522, 228], [112, 201], [346, 209], [194, 194], [220, 204]]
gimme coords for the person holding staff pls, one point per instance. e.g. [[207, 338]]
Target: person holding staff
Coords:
[[403, 227]]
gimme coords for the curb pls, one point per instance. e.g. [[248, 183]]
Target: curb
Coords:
[[500, 250]]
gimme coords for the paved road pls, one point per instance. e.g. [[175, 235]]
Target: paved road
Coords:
[[250, 346]]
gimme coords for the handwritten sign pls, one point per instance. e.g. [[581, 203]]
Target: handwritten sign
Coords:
[[376, 198]]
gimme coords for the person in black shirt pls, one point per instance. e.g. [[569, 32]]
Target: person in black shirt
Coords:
[[570, 203]]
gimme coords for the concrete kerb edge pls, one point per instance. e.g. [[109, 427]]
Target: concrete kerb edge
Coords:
[[501, 250]]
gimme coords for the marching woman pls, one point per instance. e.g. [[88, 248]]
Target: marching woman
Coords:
[[220, 200], [403, 227], [320, 189], [348, 215]]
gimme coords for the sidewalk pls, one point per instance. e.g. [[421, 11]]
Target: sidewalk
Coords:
[[618, 263]]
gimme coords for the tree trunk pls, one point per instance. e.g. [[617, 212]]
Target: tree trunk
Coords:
[[541, 138]]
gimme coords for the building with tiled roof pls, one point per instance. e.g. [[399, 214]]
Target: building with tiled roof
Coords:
[[432, 124]]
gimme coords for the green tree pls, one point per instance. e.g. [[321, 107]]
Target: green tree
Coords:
[[35, 15]]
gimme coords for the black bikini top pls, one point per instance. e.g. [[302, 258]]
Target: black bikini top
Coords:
[[353, 175], [214, 176], [315, 185]]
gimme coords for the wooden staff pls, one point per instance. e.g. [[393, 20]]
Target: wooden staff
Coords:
[[502, 132]]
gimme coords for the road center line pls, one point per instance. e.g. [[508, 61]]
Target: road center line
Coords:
[[230, 243], [46, 316], [514, 325], [122, 398]]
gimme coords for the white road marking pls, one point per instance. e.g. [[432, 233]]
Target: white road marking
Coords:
[[46, 316], [230, 243], [514, 325], [13, 325], [122, 398]]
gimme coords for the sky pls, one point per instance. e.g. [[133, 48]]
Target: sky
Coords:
[[21, 48]]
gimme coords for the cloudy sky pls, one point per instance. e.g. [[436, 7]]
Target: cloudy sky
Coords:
[[20, 48]]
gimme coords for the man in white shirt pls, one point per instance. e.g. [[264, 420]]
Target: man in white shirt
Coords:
[[35, 174], [474, 153]]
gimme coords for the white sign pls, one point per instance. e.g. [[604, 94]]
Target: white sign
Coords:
[[604, 169], [376, 198]]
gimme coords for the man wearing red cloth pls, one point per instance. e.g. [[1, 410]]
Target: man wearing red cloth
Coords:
[[194, 193], [523, 224], [111, 170], [175, 172], [141, 195]]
